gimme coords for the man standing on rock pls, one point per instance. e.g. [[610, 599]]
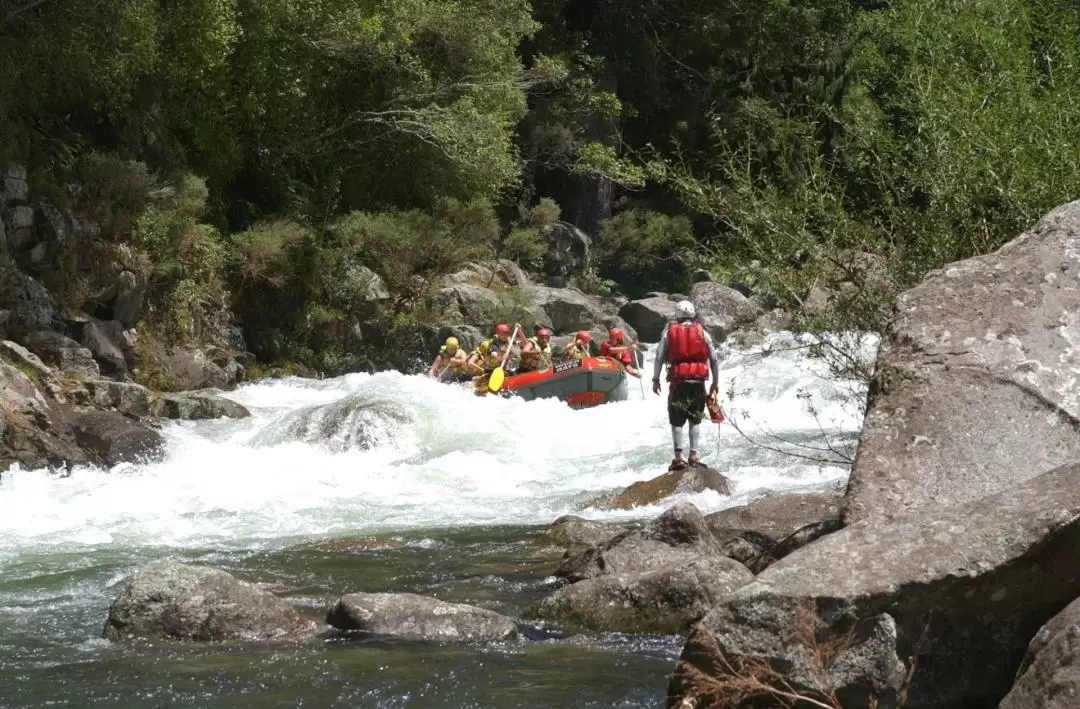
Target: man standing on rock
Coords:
[[688, 350]]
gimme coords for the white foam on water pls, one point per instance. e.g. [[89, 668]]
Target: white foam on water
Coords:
[[438, 455]]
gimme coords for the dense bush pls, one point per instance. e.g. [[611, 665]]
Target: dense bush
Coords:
[[277, 153]]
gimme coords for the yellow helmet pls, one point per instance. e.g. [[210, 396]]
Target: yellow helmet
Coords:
[[451, 343]]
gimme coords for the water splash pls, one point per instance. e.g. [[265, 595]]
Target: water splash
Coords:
[[371, 453]]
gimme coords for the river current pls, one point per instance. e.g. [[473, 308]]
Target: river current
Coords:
[[382, 482]]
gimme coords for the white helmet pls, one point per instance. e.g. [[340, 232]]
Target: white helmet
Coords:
[[686, 308]]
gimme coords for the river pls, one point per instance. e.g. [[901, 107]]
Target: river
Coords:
[[380, 482]]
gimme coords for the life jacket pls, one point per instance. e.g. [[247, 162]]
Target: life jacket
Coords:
[[490, 352], [578, 353], [687, 351], [453, 361], [605, 351], [540, 356]]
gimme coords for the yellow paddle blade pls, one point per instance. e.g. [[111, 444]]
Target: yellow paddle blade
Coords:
[[495, 381]]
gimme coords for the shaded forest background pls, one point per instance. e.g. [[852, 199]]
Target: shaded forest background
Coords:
[[254, 154]]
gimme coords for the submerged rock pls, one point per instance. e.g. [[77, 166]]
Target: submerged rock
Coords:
[[354, 423], [668, 600], [414, 617], [196, 405], [648, 492], [182, 602]]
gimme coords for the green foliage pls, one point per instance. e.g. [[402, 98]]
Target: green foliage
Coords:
[[824, 152], [411, 248], [263, 253], [187, 256], [645, 250]]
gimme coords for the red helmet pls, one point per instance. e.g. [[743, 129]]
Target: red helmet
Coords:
[[615, 334], [543, 332], [502, 329], [584, 336]]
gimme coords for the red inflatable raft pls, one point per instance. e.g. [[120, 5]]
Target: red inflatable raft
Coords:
[[581, 383]]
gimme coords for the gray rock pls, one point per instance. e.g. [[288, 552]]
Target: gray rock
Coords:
[[39, 255], [967, 587], [570, 310], [62, 352], [668, 600], [28, 362], [31, 305], [1050, 678], [364, 285], [103, 339], [196, 405], [777, 516], [476, 305], [22, 217], [976, 389], [413, 617], [130, 294], [572, 532], [182, 602], [16, 191], [722, 309], [649, 316], [32, 433], [698, 478], [113, 438], [128, 398], [190, 368], [675, 537]]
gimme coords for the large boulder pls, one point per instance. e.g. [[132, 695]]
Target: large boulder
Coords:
[[961, 589], [570, 310], [182, 602], [476, 305], [414, 617], [688, 481], [668, 600], [1050, 679], [677, 536], [722, 309], [649, 316], [115, 438], [976, 384]]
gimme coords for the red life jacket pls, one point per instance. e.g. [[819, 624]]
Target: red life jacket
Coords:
[[687, 351], [605, 351]]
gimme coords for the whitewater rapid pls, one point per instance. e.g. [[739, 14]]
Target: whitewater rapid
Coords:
[[371, 454]]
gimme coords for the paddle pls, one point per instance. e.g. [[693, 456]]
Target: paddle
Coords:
[[639, 362], [495, 381]]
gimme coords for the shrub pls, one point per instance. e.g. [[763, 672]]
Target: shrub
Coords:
[[643, 250]]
